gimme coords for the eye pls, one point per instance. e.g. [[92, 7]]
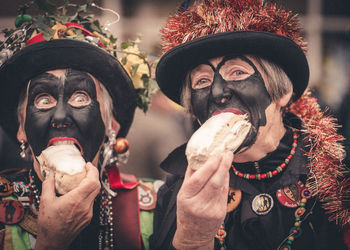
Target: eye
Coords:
[[79, 99], [44, 101], [201, 83], [236, 75]]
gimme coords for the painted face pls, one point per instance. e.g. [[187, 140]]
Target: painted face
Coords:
[[64, 107], [231, 83]]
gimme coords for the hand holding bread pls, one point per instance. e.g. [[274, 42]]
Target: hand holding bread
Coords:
[[223, 132], [67, 164]]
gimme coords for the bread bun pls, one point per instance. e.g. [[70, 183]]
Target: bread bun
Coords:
[[67, 164], [220, 133]]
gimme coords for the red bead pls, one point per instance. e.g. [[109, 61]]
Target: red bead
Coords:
[[121, 145], [289, 157], [240, 174], [263, 176], [274, 172], [252, 176], [283, 165]]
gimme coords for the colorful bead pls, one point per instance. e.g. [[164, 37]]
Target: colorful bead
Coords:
[[296, 231], [270, 174], [285, 247]]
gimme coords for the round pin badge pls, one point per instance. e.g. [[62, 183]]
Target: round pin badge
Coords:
[[262, 204], [5, 187], [290, 196], [11, 211], [234, 198], [147, 197]]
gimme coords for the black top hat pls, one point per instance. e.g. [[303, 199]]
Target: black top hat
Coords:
[[176, 62], [210, 29], [40, 57]]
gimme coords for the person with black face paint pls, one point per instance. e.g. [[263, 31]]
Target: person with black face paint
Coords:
[[70, 92], [284, 187]]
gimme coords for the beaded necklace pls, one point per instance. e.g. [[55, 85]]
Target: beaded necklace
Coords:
[[296, 231], [270, 174], [106, 231]]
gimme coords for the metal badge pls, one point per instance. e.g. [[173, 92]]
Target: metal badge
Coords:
[[290, 196], [11, 211], [262, 204], [5, 187], [234, 198]]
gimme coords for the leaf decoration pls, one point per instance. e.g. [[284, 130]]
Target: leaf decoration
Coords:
[[52, 25], [46, 6]]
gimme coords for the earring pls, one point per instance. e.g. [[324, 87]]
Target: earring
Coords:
[[23, 149], [121, 147]]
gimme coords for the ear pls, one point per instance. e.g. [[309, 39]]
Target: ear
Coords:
[[284, 100], [115, 126], [21, 134]]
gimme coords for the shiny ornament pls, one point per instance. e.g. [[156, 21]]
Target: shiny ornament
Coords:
[[121, 145]]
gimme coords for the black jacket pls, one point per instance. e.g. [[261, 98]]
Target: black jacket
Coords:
[[245, 229]]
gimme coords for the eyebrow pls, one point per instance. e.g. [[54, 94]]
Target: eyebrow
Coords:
[[45, 81]]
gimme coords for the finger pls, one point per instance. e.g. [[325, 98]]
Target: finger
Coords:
[[220, 179], [227, 160], [89, 187], [189, 172], [48, 192], [197, 180]]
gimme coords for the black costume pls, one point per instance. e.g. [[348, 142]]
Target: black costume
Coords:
[[245, 229]]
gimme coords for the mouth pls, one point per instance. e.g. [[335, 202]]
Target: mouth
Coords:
[[65, 141], [228, 110]]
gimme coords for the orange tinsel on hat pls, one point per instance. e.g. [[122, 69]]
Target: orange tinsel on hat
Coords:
[[217, 16], [325, 152]]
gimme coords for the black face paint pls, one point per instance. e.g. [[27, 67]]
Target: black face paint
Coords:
[[83, 123], [249, 96]]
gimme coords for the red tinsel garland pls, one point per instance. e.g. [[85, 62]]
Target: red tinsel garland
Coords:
[[216, 16], [327, 174]]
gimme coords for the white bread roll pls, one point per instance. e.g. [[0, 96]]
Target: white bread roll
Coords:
[[67, 164], [220, 133]]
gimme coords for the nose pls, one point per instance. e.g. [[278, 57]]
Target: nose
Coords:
[[219, 90], [60, 117]]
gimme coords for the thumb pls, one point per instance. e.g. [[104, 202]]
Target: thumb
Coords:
[[48, 187]]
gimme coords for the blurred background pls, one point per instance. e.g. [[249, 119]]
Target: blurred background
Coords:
[[326, 24]]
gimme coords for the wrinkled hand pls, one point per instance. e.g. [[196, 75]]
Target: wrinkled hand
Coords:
[[62, 218], [202, 203]]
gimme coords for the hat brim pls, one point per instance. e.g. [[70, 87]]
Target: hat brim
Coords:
[[176, 63], [40, 57]]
